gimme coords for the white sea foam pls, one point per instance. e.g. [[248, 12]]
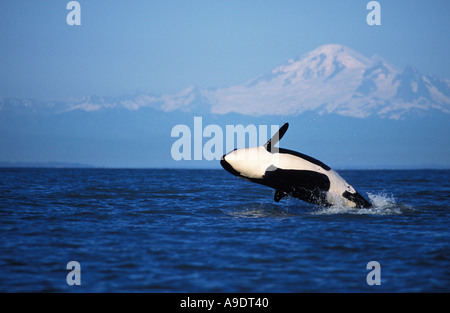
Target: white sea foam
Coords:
[[382, 204]]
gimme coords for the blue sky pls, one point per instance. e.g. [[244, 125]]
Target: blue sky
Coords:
[[159, 47]]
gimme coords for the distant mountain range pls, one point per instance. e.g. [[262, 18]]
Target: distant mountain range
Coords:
[[332, 79], [336, 79]]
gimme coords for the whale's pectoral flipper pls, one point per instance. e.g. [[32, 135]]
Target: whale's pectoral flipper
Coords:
[[279, 195], [275, 138]]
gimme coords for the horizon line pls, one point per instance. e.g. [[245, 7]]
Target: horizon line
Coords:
[[69, 165]]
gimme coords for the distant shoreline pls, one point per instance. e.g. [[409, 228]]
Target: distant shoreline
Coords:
[[44, 165]]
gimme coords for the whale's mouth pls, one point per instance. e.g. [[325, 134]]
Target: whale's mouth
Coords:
[[227, 166]]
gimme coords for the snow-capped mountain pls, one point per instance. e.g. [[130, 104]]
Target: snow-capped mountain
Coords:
[[330, 79], [336, 79]]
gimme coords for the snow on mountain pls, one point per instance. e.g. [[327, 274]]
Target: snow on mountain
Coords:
[[335, 79], [186, 100], [330, 79]]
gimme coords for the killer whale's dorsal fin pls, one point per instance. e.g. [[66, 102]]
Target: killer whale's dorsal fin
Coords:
[[277, 137]]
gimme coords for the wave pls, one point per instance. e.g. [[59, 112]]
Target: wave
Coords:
[[259, 210]]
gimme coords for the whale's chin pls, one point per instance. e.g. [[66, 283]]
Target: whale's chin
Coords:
[[227, 166]]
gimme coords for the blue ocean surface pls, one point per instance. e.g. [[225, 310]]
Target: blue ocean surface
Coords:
[[155, 230]]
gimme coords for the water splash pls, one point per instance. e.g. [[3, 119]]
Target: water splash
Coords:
[[382, 204]]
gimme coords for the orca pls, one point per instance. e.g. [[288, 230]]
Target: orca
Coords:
[[292, 173]]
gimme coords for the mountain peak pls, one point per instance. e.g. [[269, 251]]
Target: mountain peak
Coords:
[[343, 54], [331, 50]]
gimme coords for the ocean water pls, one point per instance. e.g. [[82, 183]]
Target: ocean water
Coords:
[[208, 231]]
